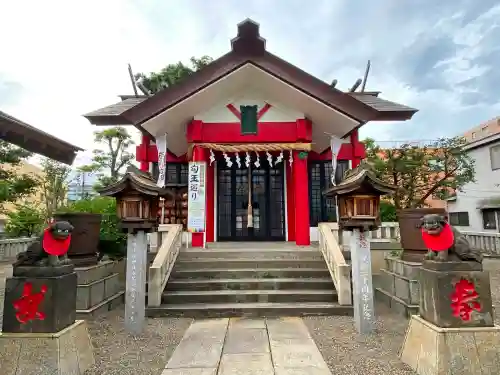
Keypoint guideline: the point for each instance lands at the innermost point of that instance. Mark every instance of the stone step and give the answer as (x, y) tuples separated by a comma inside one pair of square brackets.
[(252, 283), (268, 254), (256, 245), (248, 263), (238, 273), (238, 296), (262, 309)]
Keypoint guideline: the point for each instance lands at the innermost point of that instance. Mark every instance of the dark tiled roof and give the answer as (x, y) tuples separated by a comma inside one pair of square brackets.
[(114, 111), (355, 178), (380, 104), (21, 134), (138, 180)]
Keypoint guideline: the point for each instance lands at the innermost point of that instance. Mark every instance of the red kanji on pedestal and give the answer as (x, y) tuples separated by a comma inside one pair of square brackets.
[(27, 305), (463, 300)]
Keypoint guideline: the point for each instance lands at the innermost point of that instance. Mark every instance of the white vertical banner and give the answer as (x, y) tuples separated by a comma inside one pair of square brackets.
[(197, 196), (335, 144), (161, 145)]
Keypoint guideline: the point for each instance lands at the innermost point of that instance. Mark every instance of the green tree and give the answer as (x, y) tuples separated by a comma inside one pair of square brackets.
[(171, 74), (13, 184), (26, 220), (387, 211), (109, 164), (54, 185), (435, 170)]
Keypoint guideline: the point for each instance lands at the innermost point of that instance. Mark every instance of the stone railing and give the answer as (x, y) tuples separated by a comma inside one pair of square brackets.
[(487, 242), (10, 247), (339, 270), (163, 263), (387, 232)]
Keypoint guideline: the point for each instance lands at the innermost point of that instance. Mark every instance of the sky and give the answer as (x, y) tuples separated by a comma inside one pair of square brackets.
[(61, 59)]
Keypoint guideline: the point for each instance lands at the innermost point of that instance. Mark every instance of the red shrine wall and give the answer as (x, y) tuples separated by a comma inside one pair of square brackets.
[(297, 184)]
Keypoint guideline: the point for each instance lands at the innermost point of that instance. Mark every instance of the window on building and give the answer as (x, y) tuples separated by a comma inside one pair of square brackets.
[(460, 219), (495, 157), (322, 208), (473, 135), (489, 219), (177, 173)]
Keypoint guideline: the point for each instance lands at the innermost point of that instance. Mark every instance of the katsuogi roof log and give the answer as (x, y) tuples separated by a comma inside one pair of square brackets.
[(360, 179), (136, 180)]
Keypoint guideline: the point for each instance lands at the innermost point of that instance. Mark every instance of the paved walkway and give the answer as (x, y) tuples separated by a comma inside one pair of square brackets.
[(247, 346)]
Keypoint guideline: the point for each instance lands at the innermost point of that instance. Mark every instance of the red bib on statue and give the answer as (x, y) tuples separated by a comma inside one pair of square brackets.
[(55, 247), (440, 242)]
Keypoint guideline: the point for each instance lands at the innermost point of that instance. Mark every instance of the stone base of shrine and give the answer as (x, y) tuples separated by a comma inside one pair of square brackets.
[(66, 352), (431, 350)]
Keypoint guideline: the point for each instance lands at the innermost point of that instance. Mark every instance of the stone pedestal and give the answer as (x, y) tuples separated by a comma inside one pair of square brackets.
[(57, 303), (398, 286), (68, 351), (432, 350), (438, 282), (454, 333), (98, 290)]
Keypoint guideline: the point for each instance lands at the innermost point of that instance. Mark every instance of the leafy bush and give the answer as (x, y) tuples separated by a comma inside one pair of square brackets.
[(112, 240), (387, 212), (26, 220)]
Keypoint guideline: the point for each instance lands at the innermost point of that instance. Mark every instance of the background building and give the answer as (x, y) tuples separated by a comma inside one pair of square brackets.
[(80, 185), (477, 207)]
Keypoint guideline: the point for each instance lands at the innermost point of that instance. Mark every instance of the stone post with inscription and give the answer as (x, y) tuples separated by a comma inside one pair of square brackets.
[(454, 332), (358, 197), (135, 289), (362, 281), (137, 200)]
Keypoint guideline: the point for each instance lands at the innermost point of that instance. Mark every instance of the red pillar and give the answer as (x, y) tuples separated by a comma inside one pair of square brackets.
[(210, 194), (290, 203), (358, 149), (200, 154), (142, 153), (301, 188)]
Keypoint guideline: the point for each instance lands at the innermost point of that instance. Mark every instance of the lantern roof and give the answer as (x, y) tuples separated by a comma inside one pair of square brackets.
[(357, 178), (135, 179)]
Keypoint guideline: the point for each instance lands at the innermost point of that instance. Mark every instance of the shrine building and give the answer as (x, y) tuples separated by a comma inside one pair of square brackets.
[(265, 129)]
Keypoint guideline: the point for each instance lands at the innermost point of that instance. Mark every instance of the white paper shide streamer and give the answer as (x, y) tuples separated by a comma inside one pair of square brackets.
[(279, 159), (247, 159), (290, 158), (257, 160), (212, 156), (161, 144), (269, 158), (238, 160), (229, 163), (335, 144)]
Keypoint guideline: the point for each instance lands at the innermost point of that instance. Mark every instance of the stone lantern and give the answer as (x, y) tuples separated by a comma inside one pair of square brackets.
[(358, 197), (137, 200), (137, 203)]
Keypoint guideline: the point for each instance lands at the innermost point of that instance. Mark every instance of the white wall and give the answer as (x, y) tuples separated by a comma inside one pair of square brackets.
[(277, 112), (473, 193)]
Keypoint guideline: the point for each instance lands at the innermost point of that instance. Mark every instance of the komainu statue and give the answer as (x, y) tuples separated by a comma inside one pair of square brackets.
[(445, 243), (50, 250)]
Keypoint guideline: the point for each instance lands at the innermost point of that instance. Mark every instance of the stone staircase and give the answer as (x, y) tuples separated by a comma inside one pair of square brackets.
[(249, 279)]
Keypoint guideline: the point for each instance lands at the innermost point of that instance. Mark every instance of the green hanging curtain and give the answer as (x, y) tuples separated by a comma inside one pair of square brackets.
[(248, 119)]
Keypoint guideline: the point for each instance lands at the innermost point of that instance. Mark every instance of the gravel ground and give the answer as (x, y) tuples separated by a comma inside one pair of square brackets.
[(116, 352), (348, 353), (344, 350)]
